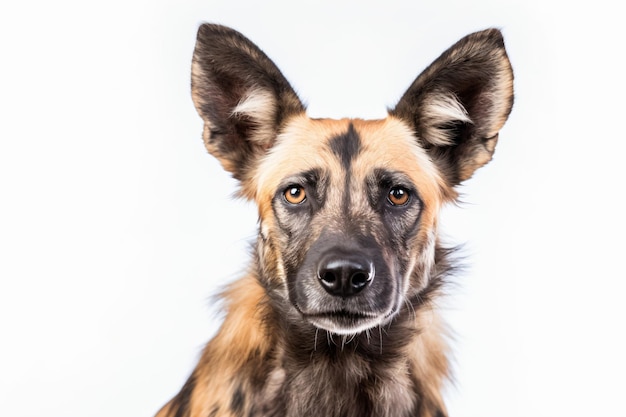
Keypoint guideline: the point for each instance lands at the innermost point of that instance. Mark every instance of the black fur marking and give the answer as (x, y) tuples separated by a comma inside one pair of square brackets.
[(259, 367), (180, 403), (237, 402), (346, 146), (440, 413)]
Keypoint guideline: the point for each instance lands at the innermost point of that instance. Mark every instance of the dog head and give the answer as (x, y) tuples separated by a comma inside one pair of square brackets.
[(348, 208)]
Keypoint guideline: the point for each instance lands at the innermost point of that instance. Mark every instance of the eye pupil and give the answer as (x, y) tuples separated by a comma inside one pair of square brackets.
[(398, 196), (295, 194)]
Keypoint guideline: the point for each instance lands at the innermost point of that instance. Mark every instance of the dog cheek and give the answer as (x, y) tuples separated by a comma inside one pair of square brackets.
[(408, 258), (425, 261), (270, 262), (294, 255), (276, 257)]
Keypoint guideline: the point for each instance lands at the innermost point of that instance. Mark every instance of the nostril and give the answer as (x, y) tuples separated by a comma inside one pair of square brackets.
[(328, 277), (359, 280)]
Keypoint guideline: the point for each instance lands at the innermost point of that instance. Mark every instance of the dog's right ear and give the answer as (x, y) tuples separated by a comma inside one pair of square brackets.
[(241, 95)]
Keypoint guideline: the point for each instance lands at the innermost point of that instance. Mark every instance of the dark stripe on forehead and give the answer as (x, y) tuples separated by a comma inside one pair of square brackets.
[(346, 146)]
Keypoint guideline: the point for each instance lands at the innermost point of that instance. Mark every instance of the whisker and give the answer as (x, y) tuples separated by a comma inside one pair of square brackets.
[(410, 307), (329, 337)]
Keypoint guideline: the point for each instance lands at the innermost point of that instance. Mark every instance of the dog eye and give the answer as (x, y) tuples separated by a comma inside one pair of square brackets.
[(295, 194), (398, 196)]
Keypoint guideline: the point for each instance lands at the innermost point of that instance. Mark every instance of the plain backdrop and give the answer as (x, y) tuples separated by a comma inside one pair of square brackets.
[(117, 228)]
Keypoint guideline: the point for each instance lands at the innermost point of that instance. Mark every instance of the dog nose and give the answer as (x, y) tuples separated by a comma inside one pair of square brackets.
[(345, 275)]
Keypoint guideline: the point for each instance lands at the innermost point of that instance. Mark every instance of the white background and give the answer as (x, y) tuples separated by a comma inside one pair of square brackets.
[(116, 227)]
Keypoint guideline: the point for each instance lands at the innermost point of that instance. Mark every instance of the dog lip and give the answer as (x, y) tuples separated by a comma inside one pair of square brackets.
[(344, 322), (343, 313)]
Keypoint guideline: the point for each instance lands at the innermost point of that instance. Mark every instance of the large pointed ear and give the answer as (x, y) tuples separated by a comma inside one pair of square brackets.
[(241, 95), (460, 102)]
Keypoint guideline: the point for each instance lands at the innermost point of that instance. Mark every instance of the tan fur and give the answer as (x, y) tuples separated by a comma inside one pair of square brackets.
[(242, 335), (429, 357)]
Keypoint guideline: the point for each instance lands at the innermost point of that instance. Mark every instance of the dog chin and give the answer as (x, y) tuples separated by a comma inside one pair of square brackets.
[(346, 324)]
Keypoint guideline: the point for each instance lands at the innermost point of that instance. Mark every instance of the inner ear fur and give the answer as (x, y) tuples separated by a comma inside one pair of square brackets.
[(460, 102), (241, 96)]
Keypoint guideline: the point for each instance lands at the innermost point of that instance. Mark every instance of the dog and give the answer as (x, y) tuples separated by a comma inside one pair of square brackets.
[(336, 314)]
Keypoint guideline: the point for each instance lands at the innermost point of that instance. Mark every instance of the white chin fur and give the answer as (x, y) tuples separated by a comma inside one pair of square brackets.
[(332, 326)]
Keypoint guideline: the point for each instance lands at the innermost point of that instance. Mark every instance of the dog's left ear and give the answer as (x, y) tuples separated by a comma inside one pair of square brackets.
[(241, 95), (460, 102)]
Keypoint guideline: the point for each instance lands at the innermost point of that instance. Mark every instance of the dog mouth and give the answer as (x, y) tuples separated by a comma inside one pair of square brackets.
[(344, 322)]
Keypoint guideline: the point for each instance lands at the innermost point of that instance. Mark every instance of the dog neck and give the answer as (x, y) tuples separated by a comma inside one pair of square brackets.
[(394, 369), (279, 365)]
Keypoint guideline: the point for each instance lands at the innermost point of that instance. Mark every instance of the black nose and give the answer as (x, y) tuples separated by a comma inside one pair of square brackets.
[(345, 275)]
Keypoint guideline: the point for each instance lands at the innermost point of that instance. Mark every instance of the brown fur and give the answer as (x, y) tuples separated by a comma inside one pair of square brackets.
[(295, 341)]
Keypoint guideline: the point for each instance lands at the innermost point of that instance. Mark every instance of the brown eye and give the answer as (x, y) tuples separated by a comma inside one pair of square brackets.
[(295, 194), (398, 196)]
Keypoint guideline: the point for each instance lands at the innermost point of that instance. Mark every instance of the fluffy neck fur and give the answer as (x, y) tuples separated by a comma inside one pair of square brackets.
[(265, 361)]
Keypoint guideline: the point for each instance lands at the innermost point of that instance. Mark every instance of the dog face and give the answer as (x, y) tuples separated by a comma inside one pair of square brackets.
[(349, 217), (348, 208)]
